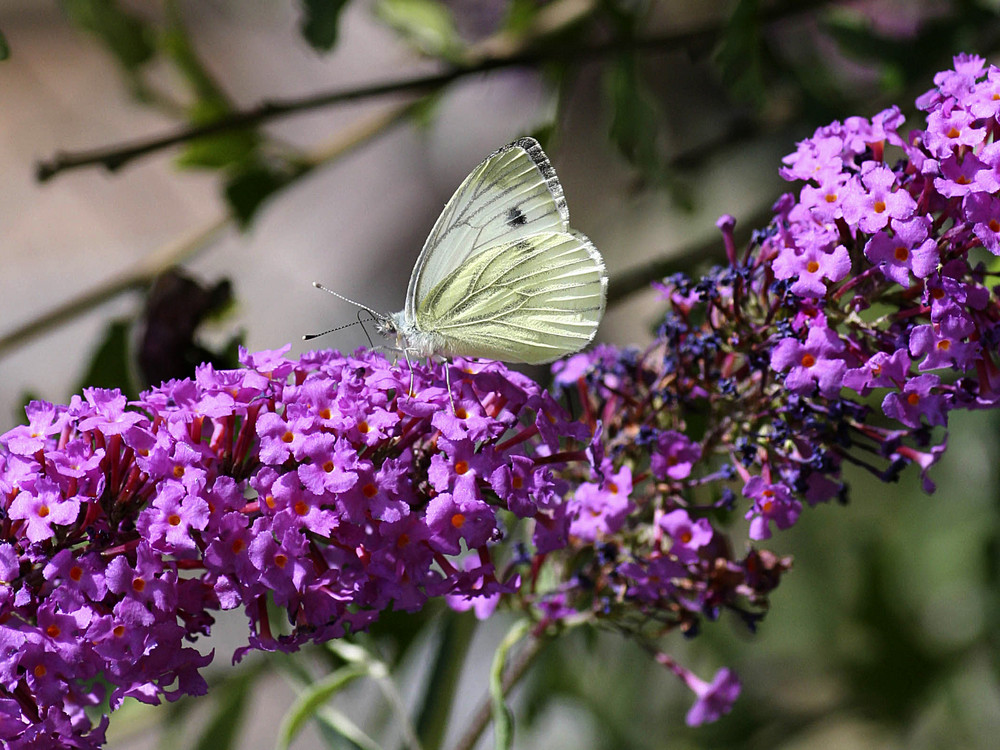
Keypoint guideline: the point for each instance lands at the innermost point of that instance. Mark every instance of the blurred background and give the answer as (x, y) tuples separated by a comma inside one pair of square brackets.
[(658, 116)]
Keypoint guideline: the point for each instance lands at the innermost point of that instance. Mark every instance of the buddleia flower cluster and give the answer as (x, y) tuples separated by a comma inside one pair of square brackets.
[(315, 494), (844, 333)]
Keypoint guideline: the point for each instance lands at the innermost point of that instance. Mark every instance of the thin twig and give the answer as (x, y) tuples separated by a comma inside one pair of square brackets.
[(136, 278), (115, 157), (148, 268)]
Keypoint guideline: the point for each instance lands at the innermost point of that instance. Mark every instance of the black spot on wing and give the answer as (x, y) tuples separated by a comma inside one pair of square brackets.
[(516, 217)]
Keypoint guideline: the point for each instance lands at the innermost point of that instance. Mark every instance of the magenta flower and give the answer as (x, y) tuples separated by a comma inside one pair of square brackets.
[(675, 455), (41, 507), (687, 536), (908, 249), (813, 364), (916, 399), (875, 198), (809, 267), (599, 509), (715, 698), (984, 213), (772, 503)]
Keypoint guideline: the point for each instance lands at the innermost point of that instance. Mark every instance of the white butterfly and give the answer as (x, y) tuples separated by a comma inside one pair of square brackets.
[(502, 276)]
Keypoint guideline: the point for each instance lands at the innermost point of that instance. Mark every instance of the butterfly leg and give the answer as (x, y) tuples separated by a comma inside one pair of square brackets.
[(409, 364), (447, 381)]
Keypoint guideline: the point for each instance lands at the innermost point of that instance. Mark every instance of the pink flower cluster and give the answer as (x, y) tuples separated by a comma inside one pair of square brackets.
[(319, 484)]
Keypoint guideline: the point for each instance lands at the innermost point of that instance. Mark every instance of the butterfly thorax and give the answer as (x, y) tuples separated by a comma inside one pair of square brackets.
[(411, 339)]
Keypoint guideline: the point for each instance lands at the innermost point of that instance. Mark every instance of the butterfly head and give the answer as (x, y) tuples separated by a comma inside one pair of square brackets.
[(388, 325)]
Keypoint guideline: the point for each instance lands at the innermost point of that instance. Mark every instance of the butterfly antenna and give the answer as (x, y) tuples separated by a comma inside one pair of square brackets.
[(371, 344), (311, 336), (375, 314)]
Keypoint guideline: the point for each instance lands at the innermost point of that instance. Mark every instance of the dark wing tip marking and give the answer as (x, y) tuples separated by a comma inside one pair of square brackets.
[(534, 150)]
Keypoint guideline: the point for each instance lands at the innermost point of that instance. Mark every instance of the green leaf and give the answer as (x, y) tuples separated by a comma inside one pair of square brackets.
[(4, 47), (739, 55), (503, 717), (210, 103), (635, 121), (311, 700), (223, 729), (247, 190), (320, 21), (110, 367), (176, 44), (124, 35), (426, 24), (520, 15), (446, 662), (216, 151)]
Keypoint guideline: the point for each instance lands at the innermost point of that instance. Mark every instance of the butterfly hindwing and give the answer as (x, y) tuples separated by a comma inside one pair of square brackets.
[(514, 193), (531, 299)]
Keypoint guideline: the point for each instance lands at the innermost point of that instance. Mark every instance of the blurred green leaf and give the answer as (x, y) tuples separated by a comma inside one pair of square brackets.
[(313, 698), (892, 676), (320, 21), (634, 121), (249, 187), (453, 642), (210, 103), (503, 717), (216, 151), (739, 54), (124, 35), (231, 701), (176, 44), (4, 47), (426, 24), (109, 366), (520, 14)]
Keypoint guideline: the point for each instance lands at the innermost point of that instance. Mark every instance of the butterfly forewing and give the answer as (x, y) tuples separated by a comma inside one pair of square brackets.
[(513, 194), (532, 299)]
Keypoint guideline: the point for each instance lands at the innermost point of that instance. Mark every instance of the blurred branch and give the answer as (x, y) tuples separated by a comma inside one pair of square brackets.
[(137, 278), (116, 156), (497, 52), (146, 270)]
